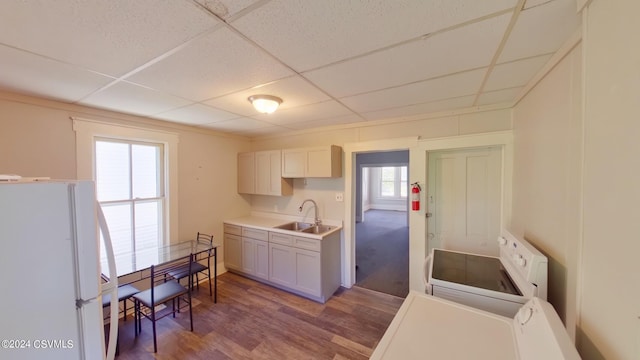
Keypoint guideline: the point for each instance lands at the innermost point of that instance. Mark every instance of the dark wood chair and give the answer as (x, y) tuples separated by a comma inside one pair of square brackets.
[(197, 267), (162, 291)]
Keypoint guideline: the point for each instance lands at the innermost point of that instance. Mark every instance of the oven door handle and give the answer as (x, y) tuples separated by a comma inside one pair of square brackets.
[(425, 279)]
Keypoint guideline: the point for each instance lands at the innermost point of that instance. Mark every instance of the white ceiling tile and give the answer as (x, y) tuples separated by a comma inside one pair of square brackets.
[(449, 52), (212, 65), (35, 75), (451, 86), (533, 3), (238, 125), (196, 114), (425, 108), (294, 91), (340, 120), (133, 99), (541, 30), (499, 96), (267, 130), (226, 8), (107, 36), (318, 111), (327, 31), (516, 73)]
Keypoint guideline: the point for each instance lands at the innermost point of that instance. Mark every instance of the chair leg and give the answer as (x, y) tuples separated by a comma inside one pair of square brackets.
[(215, 274), (153, 322), (136, 307), (209, 276), (125, 310), (190, 312)]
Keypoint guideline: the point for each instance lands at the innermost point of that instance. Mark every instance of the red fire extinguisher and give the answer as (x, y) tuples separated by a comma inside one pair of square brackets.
[(415, 196)]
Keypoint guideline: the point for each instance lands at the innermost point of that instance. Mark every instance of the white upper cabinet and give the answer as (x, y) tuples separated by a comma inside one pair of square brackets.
[(260, 173), (315, 162), (246, 173)]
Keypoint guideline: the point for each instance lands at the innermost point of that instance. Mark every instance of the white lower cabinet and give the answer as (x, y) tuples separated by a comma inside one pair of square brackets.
[(281, 264), (307, 270), (255, 257), (306, 266), (232, 251)]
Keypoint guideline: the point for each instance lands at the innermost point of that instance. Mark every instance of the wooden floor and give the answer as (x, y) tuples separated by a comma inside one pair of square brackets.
[(256, 321)]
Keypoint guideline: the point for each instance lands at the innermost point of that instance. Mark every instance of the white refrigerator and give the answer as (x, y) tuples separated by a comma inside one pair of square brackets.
[(51, 307)]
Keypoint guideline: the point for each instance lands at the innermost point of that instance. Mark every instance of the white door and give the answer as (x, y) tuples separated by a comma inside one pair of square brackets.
[(463, 199)]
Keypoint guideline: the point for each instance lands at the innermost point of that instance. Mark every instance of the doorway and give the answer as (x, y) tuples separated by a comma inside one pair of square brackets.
[(381, 222)]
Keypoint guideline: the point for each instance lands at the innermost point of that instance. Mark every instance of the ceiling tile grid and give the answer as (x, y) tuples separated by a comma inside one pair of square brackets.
[(333, 62)]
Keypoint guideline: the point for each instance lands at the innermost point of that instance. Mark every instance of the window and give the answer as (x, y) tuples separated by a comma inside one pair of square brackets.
[(130, 189), (141, 203), (393, 182)]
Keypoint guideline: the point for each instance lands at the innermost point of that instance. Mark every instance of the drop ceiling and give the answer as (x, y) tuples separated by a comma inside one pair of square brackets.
[(333, 62)]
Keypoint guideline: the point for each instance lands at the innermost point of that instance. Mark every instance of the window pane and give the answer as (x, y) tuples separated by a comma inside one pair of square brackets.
[(386, 188), (403, 181), (112, 171), (387, 174), (119, 221), (148, 225), (146, 171)]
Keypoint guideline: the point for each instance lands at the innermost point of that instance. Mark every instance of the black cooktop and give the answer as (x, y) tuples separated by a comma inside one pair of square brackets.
[(472, 270)]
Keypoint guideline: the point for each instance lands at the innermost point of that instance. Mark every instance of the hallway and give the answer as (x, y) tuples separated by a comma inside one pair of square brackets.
[(382, 252)]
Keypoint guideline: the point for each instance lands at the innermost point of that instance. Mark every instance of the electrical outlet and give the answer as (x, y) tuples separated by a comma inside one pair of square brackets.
[(339, 197)]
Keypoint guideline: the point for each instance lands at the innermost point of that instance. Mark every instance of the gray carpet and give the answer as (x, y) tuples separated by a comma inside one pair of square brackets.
[(382, 252)]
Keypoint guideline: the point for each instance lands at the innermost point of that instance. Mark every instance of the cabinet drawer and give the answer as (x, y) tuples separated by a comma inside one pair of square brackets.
[(232, 229), (255, 233), (278, 238), (306, 243)]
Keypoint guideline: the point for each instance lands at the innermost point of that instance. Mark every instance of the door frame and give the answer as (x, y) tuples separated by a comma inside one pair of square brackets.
[(418, 155)]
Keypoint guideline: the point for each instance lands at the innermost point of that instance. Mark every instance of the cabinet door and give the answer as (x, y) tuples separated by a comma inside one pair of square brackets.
[(318, 162), (324, 161), (294, 162), (248, 256), (233, 252), (269, 174), (262, 259), (263, 173), (246, 173), (307, 270), (282, 265)]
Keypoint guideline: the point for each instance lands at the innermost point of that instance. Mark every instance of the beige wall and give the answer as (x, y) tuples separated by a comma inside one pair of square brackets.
[(37, 139), (547, 129), (610, 301), (323, 190)]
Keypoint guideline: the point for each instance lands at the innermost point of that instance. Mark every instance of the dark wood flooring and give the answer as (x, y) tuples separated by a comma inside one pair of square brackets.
[(256, 321)]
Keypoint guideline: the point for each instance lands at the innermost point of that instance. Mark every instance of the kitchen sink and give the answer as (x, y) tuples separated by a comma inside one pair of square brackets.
[(318, 229), (295, 226)]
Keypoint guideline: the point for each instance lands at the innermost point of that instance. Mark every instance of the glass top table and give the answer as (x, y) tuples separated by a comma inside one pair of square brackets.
[(128, 263), (134, 266)]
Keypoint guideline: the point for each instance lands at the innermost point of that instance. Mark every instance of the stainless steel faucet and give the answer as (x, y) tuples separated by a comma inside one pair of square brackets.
[(315, 208)]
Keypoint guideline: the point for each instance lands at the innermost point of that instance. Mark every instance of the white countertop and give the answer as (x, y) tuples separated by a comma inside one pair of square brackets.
[(269, 221)]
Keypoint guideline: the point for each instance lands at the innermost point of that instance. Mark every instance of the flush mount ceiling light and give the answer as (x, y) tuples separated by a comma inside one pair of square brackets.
[(265, 104)]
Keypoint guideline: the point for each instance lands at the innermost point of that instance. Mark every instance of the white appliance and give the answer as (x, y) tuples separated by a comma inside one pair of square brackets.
[(497, 284), (51, 304), (428, 327)]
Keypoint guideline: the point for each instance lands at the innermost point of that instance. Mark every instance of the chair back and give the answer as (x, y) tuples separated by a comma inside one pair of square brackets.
[(204, 238), (161, 273)]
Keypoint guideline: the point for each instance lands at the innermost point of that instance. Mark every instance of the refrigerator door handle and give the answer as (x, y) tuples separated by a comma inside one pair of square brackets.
[(111, 286)]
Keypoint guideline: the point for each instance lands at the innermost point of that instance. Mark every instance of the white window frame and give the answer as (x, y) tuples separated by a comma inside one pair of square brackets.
[(87, 131)]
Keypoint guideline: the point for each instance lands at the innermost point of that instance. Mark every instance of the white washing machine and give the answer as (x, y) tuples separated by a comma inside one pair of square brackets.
[(500, 285), (428, 327)]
